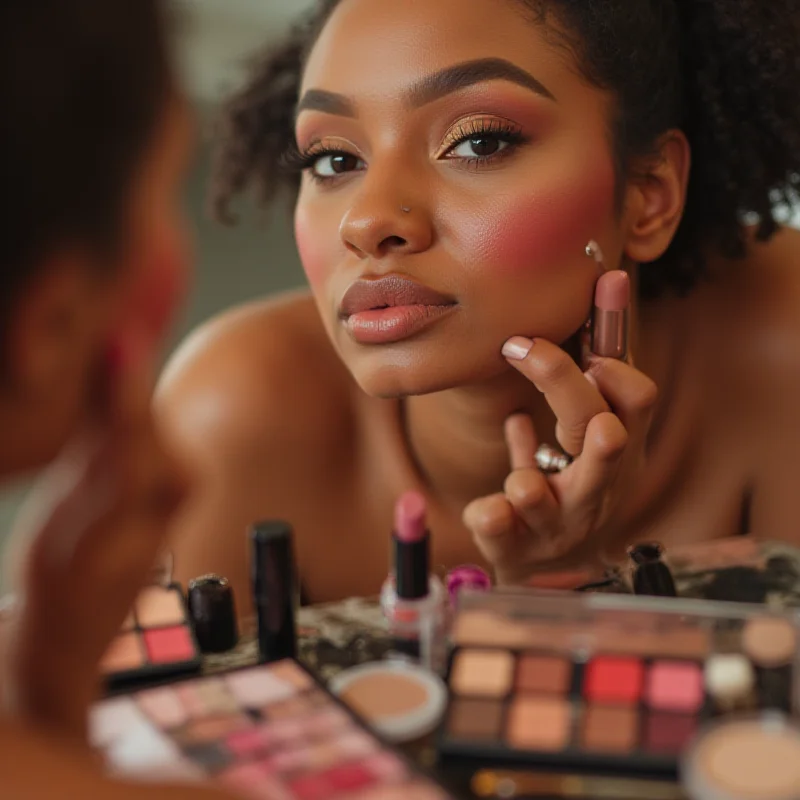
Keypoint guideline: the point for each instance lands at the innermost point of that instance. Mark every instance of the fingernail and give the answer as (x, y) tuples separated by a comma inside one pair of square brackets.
[(589, 377), (517, 348)]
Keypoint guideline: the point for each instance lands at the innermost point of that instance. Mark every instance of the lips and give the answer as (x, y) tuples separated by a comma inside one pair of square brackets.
[(390, 309), (389, 292)]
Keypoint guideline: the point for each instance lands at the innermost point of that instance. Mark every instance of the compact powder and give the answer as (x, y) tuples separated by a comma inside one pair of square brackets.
[(770, 641), (756, 759), (482, 673), (384, 694), (401, 701)]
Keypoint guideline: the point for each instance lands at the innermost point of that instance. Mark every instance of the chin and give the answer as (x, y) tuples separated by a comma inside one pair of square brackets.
[(381, 376)]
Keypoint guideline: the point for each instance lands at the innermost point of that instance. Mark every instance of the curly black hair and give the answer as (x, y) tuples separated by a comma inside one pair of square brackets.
[(726, 72), (83, 84)]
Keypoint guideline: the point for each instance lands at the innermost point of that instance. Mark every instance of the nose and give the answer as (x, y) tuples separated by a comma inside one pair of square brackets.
[(383, 220)]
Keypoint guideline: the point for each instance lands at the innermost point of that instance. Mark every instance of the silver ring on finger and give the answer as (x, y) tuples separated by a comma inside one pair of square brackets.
[(550, 460)]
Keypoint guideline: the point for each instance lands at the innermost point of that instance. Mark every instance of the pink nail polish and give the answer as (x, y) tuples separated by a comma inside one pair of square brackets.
[(517, 348)]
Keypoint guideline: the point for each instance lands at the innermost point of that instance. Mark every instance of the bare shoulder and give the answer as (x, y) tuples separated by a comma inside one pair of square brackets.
[(756, 309), (262, 373)]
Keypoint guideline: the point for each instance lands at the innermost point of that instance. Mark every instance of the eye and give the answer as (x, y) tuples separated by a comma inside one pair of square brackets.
[(329, 165), (480, 146)]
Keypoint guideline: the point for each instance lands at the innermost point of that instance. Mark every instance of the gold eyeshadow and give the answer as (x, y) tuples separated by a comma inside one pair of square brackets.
[(601, 682)]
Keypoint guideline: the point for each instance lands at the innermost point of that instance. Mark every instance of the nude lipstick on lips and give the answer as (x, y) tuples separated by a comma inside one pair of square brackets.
[(612, 298)]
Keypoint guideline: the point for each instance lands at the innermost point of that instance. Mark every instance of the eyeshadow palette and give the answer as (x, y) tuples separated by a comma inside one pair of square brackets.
[(266, 731), (157, 640), (606, 682)]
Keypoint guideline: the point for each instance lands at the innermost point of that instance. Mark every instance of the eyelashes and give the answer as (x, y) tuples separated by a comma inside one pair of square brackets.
[(475, 144)]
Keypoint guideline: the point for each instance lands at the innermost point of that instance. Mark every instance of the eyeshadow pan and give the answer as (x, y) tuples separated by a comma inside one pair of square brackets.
[(668, 733), (476, 720), (538, 723), (215, 697), (210, 755), (211, 728), (614, 680), (247, 742), (675, 686), (255, 687), (610, 729), (125, 653), (350, 777), (163, 706), (289, 672), (543, 674), (482, 673), (769, 641), (160, 607), (165, 645)]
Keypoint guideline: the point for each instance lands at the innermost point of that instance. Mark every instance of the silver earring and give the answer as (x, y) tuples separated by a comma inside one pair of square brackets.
[(594, 252)]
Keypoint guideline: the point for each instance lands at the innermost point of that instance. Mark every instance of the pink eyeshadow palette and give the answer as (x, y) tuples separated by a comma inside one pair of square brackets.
[(606, 682), (156, 640), (266, 731)]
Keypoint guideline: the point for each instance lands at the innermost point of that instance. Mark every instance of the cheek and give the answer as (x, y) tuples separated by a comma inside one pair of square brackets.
[(311, 247), (161, 283), (540, 232)]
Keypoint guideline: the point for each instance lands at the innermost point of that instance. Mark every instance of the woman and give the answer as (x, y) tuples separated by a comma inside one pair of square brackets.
[(92, 153), (452, 162)]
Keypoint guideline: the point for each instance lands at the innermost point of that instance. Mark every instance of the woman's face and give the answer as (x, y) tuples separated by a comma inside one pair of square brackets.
[(455, 146), (134, 299)]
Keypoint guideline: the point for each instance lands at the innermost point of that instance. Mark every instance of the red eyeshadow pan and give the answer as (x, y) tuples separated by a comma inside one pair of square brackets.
[(312, 787), (614, 680), (169, 644), (350, 777)]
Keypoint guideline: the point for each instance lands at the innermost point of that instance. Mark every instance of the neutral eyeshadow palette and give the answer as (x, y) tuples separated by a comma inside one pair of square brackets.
[(606, 682), (265, 732), (156, 641)]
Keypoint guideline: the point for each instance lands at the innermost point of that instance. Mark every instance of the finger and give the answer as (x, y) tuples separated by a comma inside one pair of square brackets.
[(493, 525), (631, 394), (593, 474), (533, 501), (573, 399), (521, 441)]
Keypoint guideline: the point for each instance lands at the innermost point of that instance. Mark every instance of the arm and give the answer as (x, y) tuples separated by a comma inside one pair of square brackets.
[(241, 402), (35, 765)]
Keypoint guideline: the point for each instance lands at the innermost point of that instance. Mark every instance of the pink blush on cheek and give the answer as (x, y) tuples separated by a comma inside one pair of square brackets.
[(312, 251), (544, 231)]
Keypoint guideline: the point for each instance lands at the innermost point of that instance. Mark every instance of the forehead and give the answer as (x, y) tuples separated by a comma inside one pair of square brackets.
[(370, 47)]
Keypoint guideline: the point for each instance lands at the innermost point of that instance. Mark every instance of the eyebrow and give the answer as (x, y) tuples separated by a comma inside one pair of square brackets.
[(434, 87)]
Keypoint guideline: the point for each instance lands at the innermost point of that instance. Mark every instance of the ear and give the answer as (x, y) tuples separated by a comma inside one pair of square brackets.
[(52, 323), (655, 198)]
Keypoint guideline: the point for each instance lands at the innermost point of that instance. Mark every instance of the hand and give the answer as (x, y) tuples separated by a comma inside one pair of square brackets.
[(93, 528), (603, 417)]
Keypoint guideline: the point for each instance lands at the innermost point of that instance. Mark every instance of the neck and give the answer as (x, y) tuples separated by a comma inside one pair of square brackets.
[(457, 438)]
